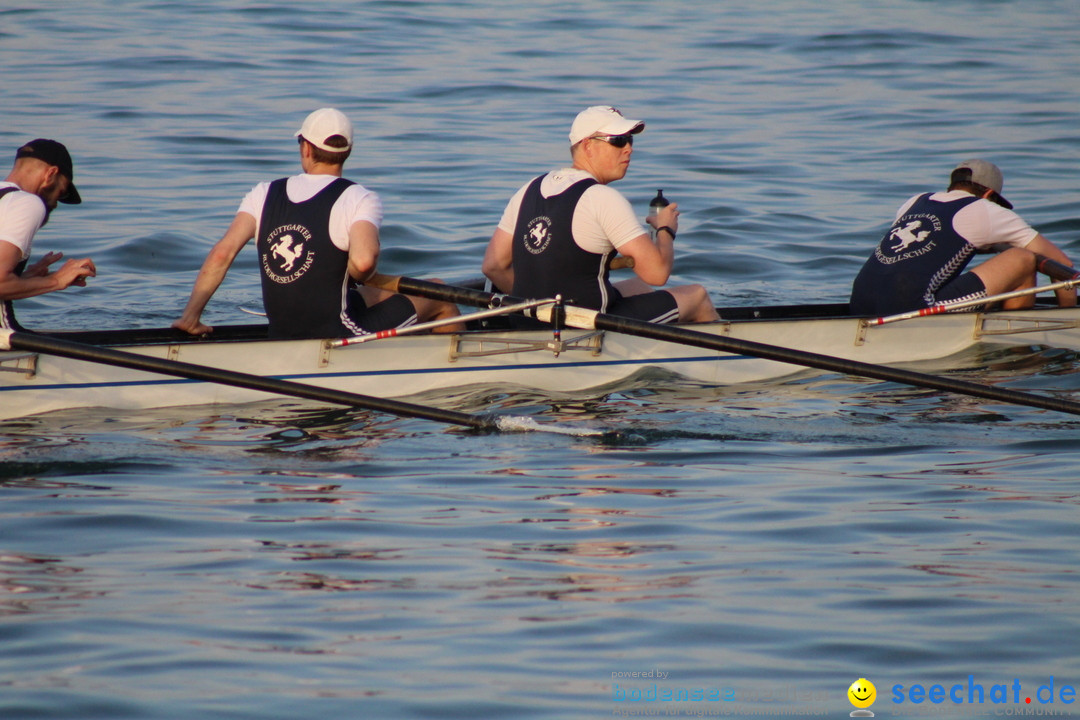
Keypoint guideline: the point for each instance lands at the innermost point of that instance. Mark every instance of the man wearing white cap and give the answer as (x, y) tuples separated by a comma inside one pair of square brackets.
[(920, 261), (560, 232), (317, 236)]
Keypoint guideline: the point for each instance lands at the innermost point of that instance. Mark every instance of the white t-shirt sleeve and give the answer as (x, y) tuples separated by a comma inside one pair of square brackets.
[(510, 214), (604, 219), (22, 214), (985, 224), (356, 204), (253, 202), (904, 208)]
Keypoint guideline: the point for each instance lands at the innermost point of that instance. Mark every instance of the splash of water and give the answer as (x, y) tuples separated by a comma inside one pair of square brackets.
[(521, 423)]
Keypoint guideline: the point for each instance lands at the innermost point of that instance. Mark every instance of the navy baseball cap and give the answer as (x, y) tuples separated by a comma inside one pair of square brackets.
[(53, 153)]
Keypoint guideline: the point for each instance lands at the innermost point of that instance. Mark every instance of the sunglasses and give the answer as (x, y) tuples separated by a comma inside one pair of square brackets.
[(619, 141)]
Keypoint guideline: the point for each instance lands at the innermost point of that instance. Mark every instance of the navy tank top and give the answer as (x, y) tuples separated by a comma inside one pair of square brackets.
[(304, 275), (547, 261), (919, 254)]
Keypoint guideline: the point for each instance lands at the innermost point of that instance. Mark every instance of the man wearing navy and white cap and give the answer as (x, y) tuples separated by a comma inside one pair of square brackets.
[(317, 236), (41, 177), (920, 262), (560, 232)]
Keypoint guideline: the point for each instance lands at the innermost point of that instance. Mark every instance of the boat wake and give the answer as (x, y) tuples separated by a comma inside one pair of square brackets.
[(640, 436), (522, 423)]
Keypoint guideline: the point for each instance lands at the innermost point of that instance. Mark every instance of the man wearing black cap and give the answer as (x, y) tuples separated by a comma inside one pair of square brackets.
[(41, 177), (920, 261)]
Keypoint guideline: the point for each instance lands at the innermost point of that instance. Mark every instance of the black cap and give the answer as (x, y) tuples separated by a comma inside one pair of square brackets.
[(53, 153)]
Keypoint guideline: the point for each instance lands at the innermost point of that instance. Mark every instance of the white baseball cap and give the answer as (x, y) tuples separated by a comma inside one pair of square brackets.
[(605, 120), (987, 174), (322, 125)]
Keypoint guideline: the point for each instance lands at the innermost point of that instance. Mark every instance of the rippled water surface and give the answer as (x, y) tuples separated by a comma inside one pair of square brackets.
[(769, 544)]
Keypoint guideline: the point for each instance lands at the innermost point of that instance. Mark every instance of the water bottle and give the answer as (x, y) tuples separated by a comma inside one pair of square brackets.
[(654, 207)]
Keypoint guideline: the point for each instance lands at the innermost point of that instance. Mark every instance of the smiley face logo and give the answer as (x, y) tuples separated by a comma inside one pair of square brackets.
[(862, 693)]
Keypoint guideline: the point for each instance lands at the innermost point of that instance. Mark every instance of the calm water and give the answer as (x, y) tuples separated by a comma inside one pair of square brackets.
[(769, 544)]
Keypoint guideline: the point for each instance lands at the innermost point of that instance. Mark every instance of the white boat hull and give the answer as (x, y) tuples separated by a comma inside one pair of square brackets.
[(398, 367)]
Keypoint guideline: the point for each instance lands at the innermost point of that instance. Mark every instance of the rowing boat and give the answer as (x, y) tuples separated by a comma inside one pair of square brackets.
[(574, 360)]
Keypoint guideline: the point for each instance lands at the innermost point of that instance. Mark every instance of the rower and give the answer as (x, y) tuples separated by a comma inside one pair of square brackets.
[(317, 238), (920, 261), (560, 232), (41, 178)]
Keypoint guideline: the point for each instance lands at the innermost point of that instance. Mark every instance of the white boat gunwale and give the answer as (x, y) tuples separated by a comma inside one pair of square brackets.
[(409, 365)]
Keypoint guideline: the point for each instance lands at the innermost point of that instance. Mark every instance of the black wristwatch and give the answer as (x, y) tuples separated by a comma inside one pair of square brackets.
[(670, 231)]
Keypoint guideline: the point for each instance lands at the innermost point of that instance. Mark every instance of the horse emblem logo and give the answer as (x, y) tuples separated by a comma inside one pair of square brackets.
[(908, 235), (538, 235), (285, 256), (287, 249)]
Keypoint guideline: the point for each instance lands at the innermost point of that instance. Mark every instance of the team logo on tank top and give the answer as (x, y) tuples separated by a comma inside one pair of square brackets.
[(909, 238), (286, 256), (538, 234)]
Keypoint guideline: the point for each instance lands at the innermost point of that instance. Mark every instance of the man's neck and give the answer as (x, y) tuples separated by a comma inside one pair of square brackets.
[(19, 179), (334, 170), (580, 167), (312, 167)]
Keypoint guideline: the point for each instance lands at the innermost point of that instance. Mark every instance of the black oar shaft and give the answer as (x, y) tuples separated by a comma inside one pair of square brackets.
[(439, 291), (108, 356), (708, 341), (685, 336)]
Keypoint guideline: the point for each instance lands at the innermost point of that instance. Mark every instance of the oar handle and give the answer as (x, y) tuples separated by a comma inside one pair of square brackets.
[(391, 282), (383, 282), (447, 293), (1055, 269)]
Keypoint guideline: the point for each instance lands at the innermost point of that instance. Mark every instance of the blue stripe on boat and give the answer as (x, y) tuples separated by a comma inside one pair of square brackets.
[(418, 371)]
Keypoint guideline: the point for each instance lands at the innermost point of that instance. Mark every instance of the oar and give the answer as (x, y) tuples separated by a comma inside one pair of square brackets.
[(1055, 270), (960, 305), (10, 340), (424, 327), (592, 320), (1068, 277)]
